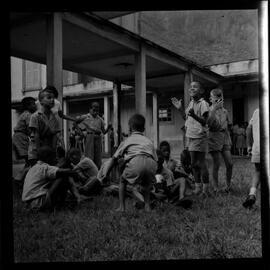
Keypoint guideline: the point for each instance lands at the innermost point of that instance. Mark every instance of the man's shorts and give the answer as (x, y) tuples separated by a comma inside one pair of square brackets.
[(219, 141), (40, 203), (140, 170), (197, 145)]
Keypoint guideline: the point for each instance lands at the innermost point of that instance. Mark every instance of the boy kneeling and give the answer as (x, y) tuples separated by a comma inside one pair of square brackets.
[(140, 162), (46, 185)]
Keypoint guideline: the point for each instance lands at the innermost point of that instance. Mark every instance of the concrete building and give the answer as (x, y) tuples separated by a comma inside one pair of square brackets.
[(238, 71)]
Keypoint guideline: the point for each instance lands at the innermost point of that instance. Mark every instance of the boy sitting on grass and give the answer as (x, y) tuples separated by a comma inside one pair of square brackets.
[(173, 188), (140, 162), (86, 178), (46, 185)]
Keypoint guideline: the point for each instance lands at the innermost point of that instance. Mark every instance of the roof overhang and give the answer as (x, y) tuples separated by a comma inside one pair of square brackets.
[(94, 46)]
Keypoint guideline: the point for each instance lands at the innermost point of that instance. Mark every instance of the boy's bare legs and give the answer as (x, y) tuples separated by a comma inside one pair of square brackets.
[(229, 167), (216, 165), (146, 196), (204, 172), (251, 199), (196, 172), (122, 190)]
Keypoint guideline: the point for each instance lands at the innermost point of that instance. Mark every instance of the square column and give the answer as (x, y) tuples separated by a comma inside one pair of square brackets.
[(116, 113), (106, 120), (155, 121), (140, 82), (188, 78)]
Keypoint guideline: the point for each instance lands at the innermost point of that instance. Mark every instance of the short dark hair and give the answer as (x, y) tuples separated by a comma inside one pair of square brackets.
[(137, 122), (46, 154), (26, 102), (164, 143), (73, 151), (95, 103), (60, 151), (52, 90)]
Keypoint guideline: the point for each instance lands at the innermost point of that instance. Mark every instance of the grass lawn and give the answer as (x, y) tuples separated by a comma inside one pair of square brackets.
[(215, 228)]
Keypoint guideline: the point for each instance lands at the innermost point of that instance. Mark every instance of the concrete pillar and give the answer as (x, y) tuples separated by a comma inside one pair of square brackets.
[(155, 121), (106, 120), (54, 51), (65, 126), (140, 82), (188, 78), (116, 113)]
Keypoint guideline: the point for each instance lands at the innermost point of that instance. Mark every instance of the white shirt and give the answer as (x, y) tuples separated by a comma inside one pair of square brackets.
[(37, 180), (255, 124)]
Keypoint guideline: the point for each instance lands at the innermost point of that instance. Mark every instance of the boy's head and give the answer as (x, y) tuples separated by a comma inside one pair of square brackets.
[(136, 123), (52, 90), (95, 108), (165, 149), (47, 155), (195, 90), (28, 104), (74, 155), (60, 152), (46, 98), (216, 95)]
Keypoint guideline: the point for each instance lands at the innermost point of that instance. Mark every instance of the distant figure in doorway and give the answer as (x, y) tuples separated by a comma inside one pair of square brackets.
[(235, 128), (253, 145), (95, 127), (20, 138), (241, 140), (195, 117)]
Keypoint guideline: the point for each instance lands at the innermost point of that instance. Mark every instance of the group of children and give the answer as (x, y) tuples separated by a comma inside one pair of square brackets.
[(147, 174)]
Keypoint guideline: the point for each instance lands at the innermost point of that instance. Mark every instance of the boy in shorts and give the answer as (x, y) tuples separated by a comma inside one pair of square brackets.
[(219, 140), (195, 117), (140, 162), (253, 143)]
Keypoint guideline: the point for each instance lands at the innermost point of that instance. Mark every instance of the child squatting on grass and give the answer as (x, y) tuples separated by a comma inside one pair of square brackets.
[(46, 185), (140, 162), (195, 118), (253, 143), (219, 140)]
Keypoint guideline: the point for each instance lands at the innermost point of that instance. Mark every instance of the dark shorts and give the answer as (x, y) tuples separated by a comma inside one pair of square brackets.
[(219, 141), (140, 170), (197, 145)]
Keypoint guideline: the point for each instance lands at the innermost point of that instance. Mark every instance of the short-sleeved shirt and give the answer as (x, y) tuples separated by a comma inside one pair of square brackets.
[(87, 169), (194, 129), (57, 106), (37, 180), (235, 129), (46, 129), (255, 124), (23, 123), (92, 122), (136, 144)]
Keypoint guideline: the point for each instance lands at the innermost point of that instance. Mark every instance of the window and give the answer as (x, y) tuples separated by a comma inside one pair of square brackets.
[(32, 76), (165, 114)]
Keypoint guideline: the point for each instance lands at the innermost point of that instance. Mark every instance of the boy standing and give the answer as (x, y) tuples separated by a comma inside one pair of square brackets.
[(140, 161), (94, 125), (253, 143), (196, 116), (20, 138), (43, 125)]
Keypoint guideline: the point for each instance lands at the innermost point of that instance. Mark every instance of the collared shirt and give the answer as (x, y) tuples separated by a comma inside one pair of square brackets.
[(46, 129), (255, 124), (92, 122), (23, 123), (57, 106), (37, 180), (136, 144), (86, 169), (222, 117), (194, 129)]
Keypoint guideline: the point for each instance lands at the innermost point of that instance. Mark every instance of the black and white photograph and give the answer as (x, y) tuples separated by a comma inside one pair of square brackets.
[(139, 135)]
